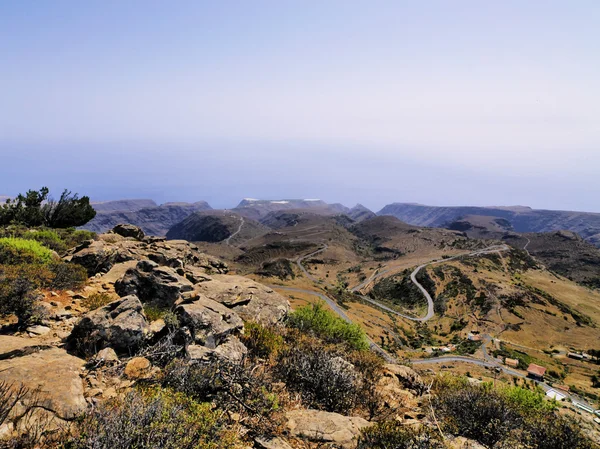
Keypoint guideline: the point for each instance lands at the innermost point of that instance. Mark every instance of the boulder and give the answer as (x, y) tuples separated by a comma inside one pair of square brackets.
[(325, 427), (95, 256), (138, 368), (249, 299), (54, 374), (153, 283), (232, 350), (120, 325), (128, 230), (407, 378), (209, 321), (17, 346)]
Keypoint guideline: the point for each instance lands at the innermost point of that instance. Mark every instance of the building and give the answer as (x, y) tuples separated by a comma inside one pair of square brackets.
[(513, 363), (574, 355), (474, 337), (564, 388), (536, 372)]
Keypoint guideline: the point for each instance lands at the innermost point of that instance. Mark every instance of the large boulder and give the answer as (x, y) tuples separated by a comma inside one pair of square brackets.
[(120, 325), (251, 300), (406, 377), (325, 427), (52, 375), (97, 256), (153, 283), (209, 321), (231, 350), (128, 230)]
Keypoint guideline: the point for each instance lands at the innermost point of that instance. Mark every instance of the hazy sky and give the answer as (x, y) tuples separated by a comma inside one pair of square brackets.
[(439, 102)]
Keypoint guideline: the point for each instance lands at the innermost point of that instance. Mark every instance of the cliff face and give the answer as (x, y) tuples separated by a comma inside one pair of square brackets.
[(522, 219), (156, 220)]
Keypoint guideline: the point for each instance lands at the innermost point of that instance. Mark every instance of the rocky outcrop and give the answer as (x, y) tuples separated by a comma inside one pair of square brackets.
[(231, 350), (249, 299), (152, 283), (128, 230), (325, 427), (209, 321), (53, 378), (120, 325), (99, 256), (407, 378)]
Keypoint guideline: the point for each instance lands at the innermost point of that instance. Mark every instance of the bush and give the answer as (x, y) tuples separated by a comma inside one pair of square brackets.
[(17, 290), (323, 378), (151, 419), (97, 300), (324, 324), (15, 251), (261, 341), (67, 276), (235, 387), (504, 416), (395, 435)]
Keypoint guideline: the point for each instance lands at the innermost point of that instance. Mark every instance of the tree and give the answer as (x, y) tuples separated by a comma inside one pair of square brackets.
[(68, 211), (35, 208)]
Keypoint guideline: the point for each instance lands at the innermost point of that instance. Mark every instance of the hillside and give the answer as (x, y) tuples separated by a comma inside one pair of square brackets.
[(216, 226), (360, 213), (155, 220), (522, 219)]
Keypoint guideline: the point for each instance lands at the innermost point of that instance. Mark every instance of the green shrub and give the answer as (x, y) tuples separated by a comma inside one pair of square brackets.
[(324, 324), (15, 251), (261, 341), (67, 276), (46, 237), (151, 419), (97, 300), (17, 290), (154, 312)]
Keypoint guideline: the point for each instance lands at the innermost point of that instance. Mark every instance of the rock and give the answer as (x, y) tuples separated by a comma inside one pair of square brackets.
[(99, 256), (138, 368), (11, 347), (232, 350), (106, 356), (209, 321), (325, 427), (152, 283), (272, 443), (55, 374), (407, 377), (251, 300), (127, 230), (120, 324), (38, 330)]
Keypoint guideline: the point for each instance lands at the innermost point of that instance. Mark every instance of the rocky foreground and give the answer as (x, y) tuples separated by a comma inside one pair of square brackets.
[(78, 358)]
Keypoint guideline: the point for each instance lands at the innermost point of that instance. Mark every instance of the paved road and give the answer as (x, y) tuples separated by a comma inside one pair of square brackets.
[(413, 278), (228, 239)]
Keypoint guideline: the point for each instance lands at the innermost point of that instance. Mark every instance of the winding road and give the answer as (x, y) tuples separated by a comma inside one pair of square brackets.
[(228, 239), (487, 362)]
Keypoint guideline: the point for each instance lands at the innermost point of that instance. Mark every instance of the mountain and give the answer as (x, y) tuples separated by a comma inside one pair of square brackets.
[(154, 220), (216, 226), (522, 219), (257, 209), (482, 226), (122, 205), (359, 213)]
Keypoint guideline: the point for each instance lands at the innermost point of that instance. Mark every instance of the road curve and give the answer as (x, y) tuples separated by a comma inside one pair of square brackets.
[(228, 239), (413, 278)]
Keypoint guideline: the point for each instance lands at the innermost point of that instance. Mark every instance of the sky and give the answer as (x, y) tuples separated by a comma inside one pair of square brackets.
[(372, 102)]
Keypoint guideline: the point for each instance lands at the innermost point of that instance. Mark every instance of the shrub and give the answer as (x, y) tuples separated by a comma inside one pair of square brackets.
[(323, 378), (154, 312), (151, 419), (261, 341), (324, 324), (395, 435), (15, 251), (235, 387), (46, 237), (17, 290), (97, 300), (67, 276)]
